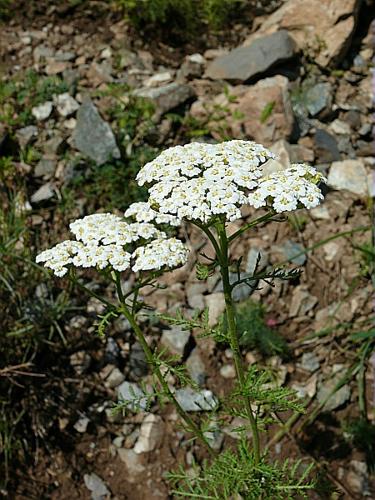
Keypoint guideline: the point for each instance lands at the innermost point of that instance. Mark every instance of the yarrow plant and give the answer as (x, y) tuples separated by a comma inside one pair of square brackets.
[(206, 185), (102, 241)]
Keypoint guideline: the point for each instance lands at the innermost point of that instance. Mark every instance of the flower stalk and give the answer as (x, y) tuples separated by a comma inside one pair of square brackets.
[(130, 316), (233, 335)]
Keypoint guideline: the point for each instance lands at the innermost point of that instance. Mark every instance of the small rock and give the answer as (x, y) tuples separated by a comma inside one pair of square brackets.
[(176, 340), (70, 124), (281, 149), (45, 168), (326, 148), (340, 128), (112, 350), (196, 368), (291, 251), (100, 73), (93, 136), (365, 129), (97, 486), (350, 175), (131, 439), (71, 77), (118, 441), (261, 112), (244, 63), (192, 67), (302, 302), (194, 295), (25, 135), (56, 67), (357, 478), (158, 79), (214, 435), (106, 53), (133, 462), (319, 98), (132, 393), (216, 306), (151, 434), (227, 371), (331, 249), (307, 389), (64, 56), (82, 424), (54, 146), (137, 361), (80, 361), (42, 111), (42, 53), (310, 362), (166, 97), (44, 193), (191, 400), (320, 212), (114, 379), (66, 104), (339, 398)]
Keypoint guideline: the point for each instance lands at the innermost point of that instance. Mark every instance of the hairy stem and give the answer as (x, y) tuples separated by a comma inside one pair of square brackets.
[(233, 336), (127, 312)]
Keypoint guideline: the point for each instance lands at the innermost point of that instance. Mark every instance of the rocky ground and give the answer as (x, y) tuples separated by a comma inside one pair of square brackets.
[(84, 101)]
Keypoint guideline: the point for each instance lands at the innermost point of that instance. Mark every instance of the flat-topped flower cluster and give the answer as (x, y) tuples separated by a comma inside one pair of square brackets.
[(103, 240), (196, 182), (199, 181), (287, 189)]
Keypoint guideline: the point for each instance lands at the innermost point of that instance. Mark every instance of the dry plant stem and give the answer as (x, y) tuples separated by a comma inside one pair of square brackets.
[(126, 311), (232, 330)]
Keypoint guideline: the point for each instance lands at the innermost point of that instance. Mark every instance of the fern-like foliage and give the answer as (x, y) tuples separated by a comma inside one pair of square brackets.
[(235, 474), (262, 390), (171, 365), (105, 320), (199, 321)]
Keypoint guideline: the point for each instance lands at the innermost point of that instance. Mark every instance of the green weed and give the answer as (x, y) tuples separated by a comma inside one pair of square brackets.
[(267, 111), (4, 9), (361, 434), (184, 15), (255, 332), (20, 95), (234, 474)]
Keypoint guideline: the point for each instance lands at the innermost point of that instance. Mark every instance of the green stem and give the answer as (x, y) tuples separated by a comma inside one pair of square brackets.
[(268, 216), (233, 337), (192, 426)]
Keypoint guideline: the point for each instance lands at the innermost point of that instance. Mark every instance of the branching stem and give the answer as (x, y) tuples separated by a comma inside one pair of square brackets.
[(233, 336), (127, 312), (264, 218)]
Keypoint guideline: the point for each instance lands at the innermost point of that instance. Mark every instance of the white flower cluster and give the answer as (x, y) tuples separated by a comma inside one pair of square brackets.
[(101, 240), (160, 253), (287, 189), (110, 228), (142, 212), (198, 180)]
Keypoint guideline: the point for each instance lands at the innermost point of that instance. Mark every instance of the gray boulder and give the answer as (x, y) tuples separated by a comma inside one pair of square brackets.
[(92, 136), (166, 97), (244, 63)]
